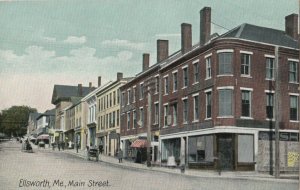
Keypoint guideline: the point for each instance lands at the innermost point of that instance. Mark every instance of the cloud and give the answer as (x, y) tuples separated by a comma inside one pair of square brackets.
[(124, 44), (42, 68), (75, 40), (49, 39), (167, 35)]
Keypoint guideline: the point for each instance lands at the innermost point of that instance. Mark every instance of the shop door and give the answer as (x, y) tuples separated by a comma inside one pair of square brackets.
[(225, 147)]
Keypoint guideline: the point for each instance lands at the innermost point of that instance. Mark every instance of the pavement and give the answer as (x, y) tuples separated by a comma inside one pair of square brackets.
[(245, 175)]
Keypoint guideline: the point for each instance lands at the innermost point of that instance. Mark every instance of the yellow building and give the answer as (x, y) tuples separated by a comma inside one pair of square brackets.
[(108, 116)]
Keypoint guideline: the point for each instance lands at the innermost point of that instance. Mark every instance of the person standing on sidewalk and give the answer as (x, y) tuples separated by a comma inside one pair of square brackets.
[(120, 155)]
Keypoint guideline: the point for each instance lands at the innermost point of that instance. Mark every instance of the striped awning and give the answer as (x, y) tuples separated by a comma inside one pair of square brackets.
[(139, 143)]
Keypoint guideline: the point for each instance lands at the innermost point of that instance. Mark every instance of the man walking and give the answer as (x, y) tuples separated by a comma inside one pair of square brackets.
[(120, 155)]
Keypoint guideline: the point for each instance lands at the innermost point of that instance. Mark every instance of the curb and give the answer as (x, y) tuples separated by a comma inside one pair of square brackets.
[(152, 169)]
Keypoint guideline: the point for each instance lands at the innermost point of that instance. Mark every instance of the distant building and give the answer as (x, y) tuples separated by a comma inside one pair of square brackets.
[(62, 97)]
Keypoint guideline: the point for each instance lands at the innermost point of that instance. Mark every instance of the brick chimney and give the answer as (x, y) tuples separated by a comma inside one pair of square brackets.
[(90, 86), (146, 58), (291, 25), (119, 76), (205, 25), (79, 90), (99, 81), (162, 50), (186, 37)]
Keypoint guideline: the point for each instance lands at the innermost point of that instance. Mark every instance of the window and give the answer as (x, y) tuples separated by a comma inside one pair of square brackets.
[(174, 106), (225, 102), (196, 72), (185, 77), (104, 121), (118, 117), (225, 63), (208, 105), (185, 110), (294, 108), (156, 84), (128, 97), (196, 108), (208, 67), (133, 94), (114, 119), (141, 90), (245, 64), (269, 68), (175, 82), (107, 100), (142, 117), (110, 99), (128, 121), (156, 113), (270, 105), (104, 102), (118, 96), (107, 126), (134, 119), (166, 90), (293, 71), (123, 99), (200, 149), (166, 113), (114, 97), (246, 103)]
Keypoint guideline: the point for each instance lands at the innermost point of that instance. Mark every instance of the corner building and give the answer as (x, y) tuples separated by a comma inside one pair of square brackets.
[(218, 98)]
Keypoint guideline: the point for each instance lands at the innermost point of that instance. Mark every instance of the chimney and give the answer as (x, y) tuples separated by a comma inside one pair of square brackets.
[(99, 81), (205, 25), (119, 76), (90, 84), (146, 58), (79, 90), (186, 37), (291, 26), (162, 50)]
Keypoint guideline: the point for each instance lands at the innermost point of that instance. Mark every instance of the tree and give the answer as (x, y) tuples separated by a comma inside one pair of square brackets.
[(14, 120)]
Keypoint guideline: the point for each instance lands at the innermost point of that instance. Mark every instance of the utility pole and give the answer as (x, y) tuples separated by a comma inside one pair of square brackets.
[(277, 113), (149, 111)]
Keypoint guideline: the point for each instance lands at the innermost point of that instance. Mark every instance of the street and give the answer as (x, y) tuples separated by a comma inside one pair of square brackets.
[(47, 169)]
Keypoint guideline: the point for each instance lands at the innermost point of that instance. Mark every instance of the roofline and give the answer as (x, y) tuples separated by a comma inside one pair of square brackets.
[(263, 43), (89, 95)]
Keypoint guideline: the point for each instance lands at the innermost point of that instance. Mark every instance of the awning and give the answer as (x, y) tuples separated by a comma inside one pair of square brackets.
[(139, 143), (42, 137)]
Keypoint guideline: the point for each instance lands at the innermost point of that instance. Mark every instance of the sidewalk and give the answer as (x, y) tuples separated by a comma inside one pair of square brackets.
[(245, 175)]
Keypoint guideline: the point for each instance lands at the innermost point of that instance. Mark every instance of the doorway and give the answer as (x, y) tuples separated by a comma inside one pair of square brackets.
[(225, 151)]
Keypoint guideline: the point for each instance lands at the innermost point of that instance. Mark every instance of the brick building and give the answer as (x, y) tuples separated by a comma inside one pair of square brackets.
[(216, 98)]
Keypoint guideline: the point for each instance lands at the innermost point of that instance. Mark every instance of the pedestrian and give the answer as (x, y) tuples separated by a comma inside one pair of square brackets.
[(120, 155), (77, 147), (63, 145), (58, 146)]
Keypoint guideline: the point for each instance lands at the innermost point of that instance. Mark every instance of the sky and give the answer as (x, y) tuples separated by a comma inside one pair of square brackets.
[(43, 43)]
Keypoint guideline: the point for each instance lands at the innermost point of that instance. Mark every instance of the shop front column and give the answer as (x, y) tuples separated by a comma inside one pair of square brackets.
[(182, 150)]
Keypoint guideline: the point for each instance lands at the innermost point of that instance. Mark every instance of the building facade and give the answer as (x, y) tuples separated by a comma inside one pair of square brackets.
[(219, 99), (108, 116)]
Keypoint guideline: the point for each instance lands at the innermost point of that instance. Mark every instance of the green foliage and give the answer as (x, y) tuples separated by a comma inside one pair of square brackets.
[(13, 121)]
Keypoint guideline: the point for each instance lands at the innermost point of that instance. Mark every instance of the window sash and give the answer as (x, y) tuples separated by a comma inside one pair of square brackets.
[(196, 107), (225, 63), (196, 72), (185, 77), (245, 64), (185, 110), (208, 67), (246, 103), (166, 85), (270, 105), (225, 102), (175, 81), (293, 71), (175, 114), (270, 68), (208, 105), (294, 108)]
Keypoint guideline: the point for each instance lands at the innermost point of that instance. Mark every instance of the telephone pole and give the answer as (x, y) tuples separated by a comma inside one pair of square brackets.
[(277, 114)]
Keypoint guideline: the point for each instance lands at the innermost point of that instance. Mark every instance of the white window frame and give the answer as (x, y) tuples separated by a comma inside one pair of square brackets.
[(296, 71), (208, 68), (173, 76), (166, 85), (196, 117), (196, 62), (183, 77), (250, 90), (249, 66)]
